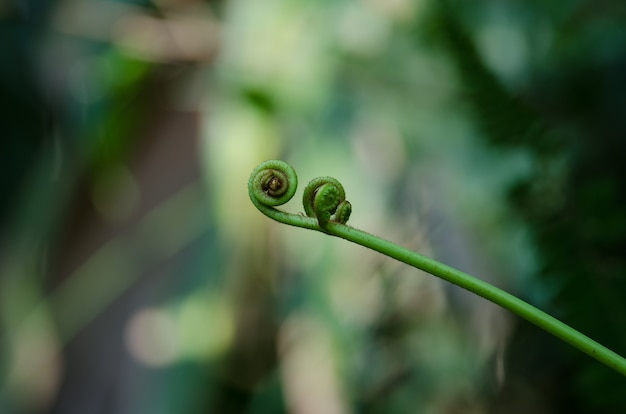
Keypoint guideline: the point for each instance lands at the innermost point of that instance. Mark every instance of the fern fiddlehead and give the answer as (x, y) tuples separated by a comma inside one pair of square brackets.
[(273, 183), (325, 199)]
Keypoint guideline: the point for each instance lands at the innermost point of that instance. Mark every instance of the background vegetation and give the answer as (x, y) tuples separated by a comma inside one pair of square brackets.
[(136, 276)]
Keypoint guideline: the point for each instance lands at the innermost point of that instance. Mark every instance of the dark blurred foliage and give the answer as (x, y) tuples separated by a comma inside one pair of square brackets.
[(86, 125), (26, 117), (570, 115)]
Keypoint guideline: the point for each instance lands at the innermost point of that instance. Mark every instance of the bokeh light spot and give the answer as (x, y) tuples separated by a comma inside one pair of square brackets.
[(151, 338)]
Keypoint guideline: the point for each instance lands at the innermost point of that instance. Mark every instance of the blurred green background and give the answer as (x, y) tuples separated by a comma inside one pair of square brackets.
[(137, 277)]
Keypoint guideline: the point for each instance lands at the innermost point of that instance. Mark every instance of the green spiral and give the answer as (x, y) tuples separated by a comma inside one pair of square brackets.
[(273, 183), (325, 199)]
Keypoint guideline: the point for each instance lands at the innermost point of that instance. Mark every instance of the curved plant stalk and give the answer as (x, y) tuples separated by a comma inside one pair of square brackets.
[(274, 182)]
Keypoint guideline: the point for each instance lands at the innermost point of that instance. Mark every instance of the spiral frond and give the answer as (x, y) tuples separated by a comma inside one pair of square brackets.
[(325, 199), (272, 183)]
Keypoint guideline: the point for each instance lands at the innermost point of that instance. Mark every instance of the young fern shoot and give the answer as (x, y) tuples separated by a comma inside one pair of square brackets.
[(273, 183)]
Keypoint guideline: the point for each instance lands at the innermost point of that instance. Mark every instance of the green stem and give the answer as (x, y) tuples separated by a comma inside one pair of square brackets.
[(319, 199)]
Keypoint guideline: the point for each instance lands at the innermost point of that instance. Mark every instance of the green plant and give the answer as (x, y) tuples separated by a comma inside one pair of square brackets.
[(273, 183)]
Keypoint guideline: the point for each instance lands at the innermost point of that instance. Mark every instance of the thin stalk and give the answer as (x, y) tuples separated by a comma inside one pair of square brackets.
[(481, 288)]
